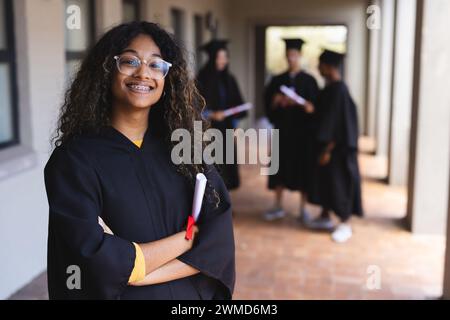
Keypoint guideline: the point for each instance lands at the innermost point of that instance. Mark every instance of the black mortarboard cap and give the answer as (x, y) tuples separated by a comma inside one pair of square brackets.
[(296, 43), (331, 57)]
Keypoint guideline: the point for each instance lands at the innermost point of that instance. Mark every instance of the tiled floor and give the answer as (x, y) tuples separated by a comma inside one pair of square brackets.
[(281, 260)]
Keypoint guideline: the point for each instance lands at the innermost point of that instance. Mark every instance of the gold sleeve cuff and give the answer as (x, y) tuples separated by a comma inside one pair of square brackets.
[(138, 272)]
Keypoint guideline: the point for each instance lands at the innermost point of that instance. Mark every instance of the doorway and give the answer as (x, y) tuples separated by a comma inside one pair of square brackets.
[(270, 52)]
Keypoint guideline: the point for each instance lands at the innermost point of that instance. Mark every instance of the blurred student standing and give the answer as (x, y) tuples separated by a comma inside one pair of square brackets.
[(337, 183), (221, 92), (295, 123)]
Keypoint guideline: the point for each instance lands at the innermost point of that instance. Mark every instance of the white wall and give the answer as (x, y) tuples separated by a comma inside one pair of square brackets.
[(23, 211)]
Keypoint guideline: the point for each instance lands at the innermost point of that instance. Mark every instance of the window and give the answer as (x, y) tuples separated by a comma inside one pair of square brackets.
[(177, 22), (9, 134), (131, 9), (198, 40), (79, 38)]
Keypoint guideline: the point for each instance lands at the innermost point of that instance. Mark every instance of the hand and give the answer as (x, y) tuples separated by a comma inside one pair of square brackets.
[(281, 101), (291, 102), (277, 99), (325, 158), (309, 107), (217, 116), (190, 243), (194, 232)]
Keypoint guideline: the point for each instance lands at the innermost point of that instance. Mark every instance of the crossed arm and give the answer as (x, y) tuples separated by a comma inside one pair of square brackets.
[(172, 270), (161, 263)]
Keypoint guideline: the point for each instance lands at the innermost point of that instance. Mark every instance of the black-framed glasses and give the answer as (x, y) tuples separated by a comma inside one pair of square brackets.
[(128, 65)]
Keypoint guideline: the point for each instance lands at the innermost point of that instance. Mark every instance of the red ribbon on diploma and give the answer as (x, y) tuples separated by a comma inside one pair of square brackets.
[(190, 228)]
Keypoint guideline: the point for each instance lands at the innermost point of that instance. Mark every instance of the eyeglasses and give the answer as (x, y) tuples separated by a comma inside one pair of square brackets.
[(129, 65)]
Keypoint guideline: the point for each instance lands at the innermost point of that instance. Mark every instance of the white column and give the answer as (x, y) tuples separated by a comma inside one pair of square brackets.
[(372, 73), (430, 127), (385, 76), (402, 92)]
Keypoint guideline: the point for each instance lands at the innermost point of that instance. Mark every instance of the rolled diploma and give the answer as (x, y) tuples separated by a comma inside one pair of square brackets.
[(106, 229), (237, 109), (200, 186), (293, 95)]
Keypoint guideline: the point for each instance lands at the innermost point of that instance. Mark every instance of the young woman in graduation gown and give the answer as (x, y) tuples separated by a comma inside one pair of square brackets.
[(337, 183), (113, 161), (221, 92)]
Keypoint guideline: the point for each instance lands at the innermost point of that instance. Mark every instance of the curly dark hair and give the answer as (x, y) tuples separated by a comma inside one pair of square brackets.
[(88, 101)]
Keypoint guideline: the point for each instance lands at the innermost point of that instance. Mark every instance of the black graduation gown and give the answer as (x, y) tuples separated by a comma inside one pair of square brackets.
[(296, 131), (338, 184), (142, 198), (221, 92)]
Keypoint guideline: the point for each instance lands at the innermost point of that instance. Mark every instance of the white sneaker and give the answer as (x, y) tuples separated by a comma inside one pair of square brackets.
[(274, 214), (342, 233)]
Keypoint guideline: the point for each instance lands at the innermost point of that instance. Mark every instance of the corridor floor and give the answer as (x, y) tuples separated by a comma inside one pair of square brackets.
[(282, 260)]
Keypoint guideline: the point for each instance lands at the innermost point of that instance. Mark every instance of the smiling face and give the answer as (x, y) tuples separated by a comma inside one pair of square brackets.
[(139, 89)]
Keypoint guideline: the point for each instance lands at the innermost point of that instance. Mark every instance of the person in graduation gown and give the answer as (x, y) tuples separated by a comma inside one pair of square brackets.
[(296, 126), (112, 163), (221, 92), (338, 182)]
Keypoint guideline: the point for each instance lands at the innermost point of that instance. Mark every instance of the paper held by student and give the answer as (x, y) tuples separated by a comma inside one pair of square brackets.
[(231, 111), (200, 186), (293, 95), (240, 108)]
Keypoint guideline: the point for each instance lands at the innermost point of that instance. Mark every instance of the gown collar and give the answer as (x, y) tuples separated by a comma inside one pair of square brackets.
[(115, 135)]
